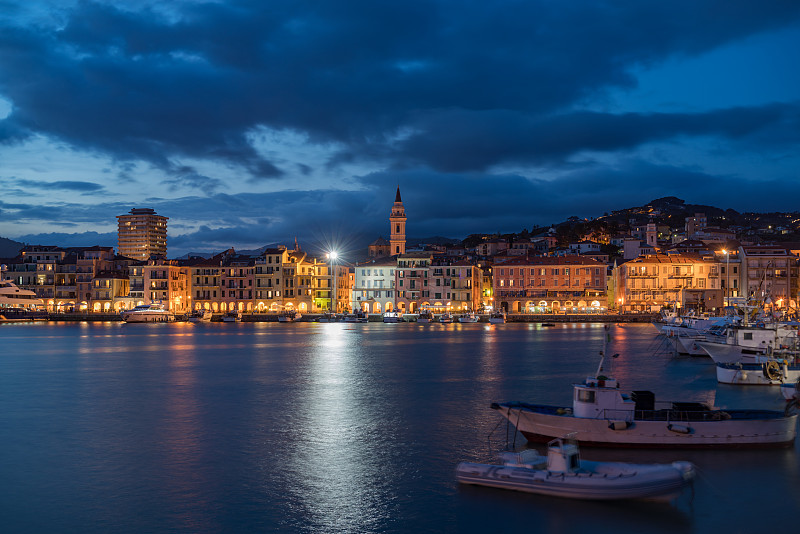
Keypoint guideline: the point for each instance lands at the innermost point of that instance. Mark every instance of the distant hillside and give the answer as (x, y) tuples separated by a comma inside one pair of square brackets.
[(9, 248)]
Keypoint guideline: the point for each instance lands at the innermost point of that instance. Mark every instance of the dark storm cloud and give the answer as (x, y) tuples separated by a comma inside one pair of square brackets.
[(63, 185), (464, 141), (437, 204), (473, 80)]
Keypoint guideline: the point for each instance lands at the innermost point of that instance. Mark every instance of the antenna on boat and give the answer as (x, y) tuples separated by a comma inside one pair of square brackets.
[(603, 352)]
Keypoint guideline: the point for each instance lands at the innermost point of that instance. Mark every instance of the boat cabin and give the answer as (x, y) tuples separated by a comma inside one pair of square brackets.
[(599, 398), (563, 457)]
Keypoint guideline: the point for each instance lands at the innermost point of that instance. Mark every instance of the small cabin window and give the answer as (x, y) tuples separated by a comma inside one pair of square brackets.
[(748, 335), (586, 395), (574, 460)]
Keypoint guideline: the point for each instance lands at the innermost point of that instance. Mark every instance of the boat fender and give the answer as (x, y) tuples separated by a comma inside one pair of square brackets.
[(772, 370), (680, 429), (619, 425)]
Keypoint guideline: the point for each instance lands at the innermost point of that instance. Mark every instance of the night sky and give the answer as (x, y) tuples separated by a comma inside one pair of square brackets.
[(252, 122)]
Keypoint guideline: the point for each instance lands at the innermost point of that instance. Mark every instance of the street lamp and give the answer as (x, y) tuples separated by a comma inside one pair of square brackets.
[(333, 255), (727, 276)]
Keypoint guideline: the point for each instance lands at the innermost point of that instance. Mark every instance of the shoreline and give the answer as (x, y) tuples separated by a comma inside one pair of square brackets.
[(264, 317)]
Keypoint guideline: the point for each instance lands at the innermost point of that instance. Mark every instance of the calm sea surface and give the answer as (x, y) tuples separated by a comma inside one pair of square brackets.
[(267, 427)]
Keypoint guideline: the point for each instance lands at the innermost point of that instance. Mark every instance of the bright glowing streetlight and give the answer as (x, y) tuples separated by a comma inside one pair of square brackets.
[(332, 255), (727, 276)]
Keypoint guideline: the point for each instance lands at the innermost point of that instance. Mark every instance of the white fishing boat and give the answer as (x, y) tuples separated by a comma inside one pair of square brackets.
[(148, 313), (200, 316), (425, 316), (288, 316), (602, 415), (562, 473), (392, 317), (770, 372), (232, 317), (747, 343), (468, 318), (446, 318), (358, 317), (497, 317)]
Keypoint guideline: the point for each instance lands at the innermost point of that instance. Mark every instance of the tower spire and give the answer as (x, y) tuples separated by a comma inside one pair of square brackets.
[(397, 222)]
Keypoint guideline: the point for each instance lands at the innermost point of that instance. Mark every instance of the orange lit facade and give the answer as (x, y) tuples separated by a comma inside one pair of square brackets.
[(549, 284)]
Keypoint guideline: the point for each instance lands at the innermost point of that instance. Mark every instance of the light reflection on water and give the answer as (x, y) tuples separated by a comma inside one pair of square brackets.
[(331, 428)]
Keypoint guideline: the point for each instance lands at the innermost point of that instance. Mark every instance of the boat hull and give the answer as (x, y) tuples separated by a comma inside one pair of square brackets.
[(620, 481), (724, 353), (756, 374), (688, 345), (148, 318), (744, 429)]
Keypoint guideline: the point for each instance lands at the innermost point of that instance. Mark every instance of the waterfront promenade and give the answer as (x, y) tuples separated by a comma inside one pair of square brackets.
[(272, 317)]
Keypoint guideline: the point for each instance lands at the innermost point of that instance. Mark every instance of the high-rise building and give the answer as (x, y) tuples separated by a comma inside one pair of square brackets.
[(142, 234), (397, 219)]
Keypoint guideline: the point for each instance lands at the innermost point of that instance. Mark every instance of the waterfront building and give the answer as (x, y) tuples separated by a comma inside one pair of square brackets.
[(397, 220), (411, 281), (454, 284), (768, 276), (89, 263), (136, 285), (269, 279), (303, 289), (166, 282), (687, 280), (237, 281), (142, 234), (374, 285), (205, 287), (110, 292), (552, 283)]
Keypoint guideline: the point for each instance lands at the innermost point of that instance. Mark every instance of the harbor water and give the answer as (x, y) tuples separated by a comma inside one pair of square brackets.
[(338, 427)]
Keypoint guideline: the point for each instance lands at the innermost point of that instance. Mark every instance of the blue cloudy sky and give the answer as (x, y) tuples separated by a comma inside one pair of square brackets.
[(250, 122)]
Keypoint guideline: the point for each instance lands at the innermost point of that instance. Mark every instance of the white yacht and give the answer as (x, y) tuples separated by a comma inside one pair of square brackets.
[(148, 313), (14, 298)]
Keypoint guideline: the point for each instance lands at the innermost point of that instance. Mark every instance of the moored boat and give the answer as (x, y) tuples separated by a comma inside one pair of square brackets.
[(232, 317), (770, 372), (358, 317), (199, 316), (392, 317), (446, 318), (16, 303), (497, 317), (601, 415), (288, 316), (148, 313), (562, 473), (468, 318), (425, 316)]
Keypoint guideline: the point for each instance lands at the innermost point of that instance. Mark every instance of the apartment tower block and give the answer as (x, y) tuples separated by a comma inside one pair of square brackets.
[(142, 234)]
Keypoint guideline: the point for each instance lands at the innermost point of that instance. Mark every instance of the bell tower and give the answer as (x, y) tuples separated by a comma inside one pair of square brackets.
[(397, 220)]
